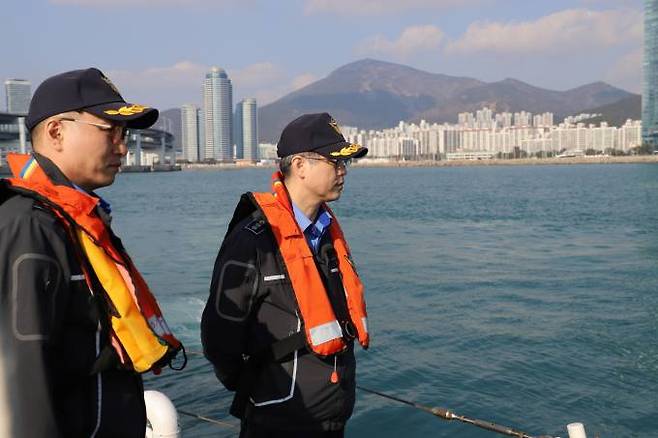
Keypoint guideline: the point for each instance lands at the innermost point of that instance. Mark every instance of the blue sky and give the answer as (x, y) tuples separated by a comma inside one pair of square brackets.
[(157, 51)]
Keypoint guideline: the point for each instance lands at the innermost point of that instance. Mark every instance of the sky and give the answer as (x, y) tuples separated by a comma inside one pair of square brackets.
[(158, 51)]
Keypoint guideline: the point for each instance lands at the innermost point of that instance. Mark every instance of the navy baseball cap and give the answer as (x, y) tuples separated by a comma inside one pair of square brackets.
[(86, 90), (317, 133)]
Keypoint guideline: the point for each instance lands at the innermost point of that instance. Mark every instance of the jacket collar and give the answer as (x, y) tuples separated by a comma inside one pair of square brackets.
[(52, 171)]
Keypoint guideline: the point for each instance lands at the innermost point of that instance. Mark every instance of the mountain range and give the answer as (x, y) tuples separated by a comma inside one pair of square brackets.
[(373, 94)]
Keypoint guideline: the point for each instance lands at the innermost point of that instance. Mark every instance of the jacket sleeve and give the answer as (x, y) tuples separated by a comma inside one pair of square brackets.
[(34, 277), (226, 317)]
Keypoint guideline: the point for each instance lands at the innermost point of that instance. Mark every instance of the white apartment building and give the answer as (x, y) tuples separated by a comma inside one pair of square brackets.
[(503, 133)]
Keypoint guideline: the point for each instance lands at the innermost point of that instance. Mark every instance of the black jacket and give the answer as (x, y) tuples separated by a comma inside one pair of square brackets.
[(252, 305), (53, 330)]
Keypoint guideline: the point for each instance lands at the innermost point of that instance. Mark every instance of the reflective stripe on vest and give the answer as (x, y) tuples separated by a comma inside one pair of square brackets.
[(323, 332), (139, 333)]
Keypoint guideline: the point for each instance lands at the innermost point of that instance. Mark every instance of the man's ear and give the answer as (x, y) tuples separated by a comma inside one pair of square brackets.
[(53, 134), (298, 167)]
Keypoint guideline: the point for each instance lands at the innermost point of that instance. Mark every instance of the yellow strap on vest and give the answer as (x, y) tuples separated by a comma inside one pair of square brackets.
[(137, 338)]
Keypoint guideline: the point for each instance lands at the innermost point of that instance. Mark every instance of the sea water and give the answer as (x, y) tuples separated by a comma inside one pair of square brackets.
[(525, 296)]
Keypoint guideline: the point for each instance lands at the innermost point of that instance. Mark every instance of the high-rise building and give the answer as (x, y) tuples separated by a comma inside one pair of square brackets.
[(237, 132), (218, 115), (650, 92), (522, 119), (249, 127), (192, 133), (19, 93)]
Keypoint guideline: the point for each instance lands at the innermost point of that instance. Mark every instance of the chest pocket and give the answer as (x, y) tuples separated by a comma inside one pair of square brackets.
[(33, 313)]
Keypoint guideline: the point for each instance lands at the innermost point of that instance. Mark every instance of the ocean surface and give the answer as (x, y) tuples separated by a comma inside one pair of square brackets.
[(527, 296)]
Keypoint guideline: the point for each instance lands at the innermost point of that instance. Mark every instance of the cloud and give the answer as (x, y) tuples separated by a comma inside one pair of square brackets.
[(561, 32), (254, 75), (380, 7), (412, 40), (268, 93), (626, 72), (302, 80), (178, 75), (617, 3), (174, 85)]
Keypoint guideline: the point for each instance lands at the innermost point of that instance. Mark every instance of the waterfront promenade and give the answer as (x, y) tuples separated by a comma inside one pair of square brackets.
[(631, 159)]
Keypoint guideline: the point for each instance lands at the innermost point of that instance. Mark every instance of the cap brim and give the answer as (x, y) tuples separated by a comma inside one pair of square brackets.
[(133, 115), (342, 151)]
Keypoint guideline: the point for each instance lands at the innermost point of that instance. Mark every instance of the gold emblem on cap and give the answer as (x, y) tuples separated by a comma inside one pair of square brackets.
[(347, 150), (334, 125), (110, 84), (127, 110)]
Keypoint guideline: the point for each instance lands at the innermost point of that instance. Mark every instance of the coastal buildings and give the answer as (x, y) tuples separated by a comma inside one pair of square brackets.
[(506, 135), (217, 109), (650, 91), (18, 93)]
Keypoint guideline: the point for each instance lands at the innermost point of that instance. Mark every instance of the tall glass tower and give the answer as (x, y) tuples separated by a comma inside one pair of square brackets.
[(250, 129), (650, 92), (237, 132), (190, 132), (217, 108)]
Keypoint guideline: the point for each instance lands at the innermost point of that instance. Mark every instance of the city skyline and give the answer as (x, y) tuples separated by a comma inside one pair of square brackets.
[(290, 44)]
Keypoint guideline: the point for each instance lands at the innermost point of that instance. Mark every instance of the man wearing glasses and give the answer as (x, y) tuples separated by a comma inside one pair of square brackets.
[(286, 304), (78, 324)]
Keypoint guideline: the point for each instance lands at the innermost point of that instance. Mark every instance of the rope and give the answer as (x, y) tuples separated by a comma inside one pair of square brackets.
[(441, 413), (206, 419), (448, 415)]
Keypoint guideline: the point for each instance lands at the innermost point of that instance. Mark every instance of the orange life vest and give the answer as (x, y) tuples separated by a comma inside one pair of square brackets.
[(324, 333), (139, 333)]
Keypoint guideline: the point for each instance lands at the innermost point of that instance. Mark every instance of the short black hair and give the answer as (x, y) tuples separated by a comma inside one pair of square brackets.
[(285, 163)]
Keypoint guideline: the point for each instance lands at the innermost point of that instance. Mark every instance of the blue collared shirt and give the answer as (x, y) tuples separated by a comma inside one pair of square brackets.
[(313, 230), (107, 208)]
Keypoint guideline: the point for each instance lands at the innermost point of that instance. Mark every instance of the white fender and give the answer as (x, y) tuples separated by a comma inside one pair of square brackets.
[(576, 430), (161, 415)]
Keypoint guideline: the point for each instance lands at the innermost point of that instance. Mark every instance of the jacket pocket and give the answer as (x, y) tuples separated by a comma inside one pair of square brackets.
[(275, 383)]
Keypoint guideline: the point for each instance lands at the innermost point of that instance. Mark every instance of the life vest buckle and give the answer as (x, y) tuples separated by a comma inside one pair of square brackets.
[(349, 331)]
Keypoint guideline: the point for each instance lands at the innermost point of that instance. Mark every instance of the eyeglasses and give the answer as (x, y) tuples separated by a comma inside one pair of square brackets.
[(118, 133), (337, 164)]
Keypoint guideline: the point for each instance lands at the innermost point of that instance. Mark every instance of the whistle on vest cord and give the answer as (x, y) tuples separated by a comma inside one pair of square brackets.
[(334, 373)]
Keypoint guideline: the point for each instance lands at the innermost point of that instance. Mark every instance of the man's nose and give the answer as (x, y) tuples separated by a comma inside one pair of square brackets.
[(122, 147)]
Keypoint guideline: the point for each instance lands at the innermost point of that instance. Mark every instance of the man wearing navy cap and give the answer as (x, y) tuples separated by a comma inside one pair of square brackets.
[(78, 323), (286, 304)]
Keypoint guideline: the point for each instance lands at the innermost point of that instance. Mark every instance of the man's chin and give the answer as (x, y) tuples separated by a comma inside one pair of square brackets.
[(333, 196), (108, 180)]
